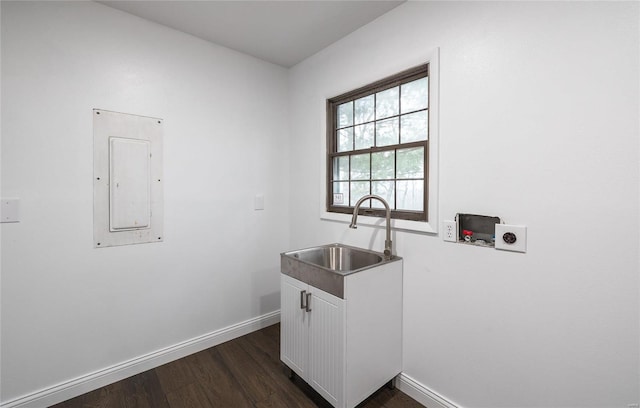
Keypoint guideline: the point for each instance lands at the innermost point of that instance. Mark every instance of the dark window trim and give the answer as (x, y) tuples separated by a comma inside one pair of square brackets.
[(332, 103)]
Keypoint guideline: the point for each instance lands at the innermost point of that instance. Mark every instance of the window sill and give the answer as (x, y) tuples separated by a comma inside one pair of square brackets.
[(399, 225)]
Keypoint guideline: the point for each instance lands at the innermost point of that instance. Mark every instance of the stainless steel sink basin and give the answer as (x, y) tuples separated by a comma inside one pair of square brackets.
[(326, 266), (339, 258)]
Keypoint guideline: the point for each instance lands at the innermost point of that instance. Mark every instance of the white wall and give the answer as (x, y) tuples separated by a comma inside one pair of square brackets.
[(538, 125), (69, 309), (540, 99)]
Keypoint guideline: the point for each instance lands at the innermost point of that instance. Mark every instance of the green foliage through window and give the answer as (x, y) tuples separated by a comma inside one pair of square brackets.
[(377, 143)]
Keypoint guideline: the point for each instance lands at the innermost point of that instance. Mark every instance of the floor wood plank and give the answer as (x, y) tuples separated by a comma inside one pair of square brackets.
[(243, 373)]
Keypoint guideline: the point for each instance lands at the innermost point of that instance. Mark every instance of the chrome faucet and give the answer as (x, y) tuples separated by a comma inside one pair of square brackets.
[(354, 219)]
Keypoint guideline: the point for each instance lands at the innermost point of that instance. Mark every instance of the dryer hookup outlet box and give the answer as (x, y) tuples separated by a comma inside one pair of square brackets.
[(511, 237)]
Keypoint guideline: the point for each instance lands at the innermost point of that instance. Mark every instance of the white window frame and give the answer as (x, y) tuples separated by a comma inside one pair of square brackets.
[(432, 223)]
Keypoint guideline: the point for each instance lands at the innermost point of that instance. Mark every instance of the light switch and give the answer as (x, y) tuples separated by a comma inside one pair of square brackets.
[(511, 237), (258, 202), (10, 210)]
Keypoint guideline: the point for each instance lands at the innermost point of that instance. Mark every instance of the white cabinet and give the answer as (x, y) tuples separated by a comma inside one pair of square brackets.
[(294, 327), (345, 348), (312, 333)]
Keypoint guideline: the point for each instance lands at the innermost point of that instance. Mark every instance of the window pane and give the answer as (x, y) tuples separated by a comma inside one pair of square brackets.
[(358, 190), (364, 136), (345, 114), (341, 168), (345, 139), (410, 163), (382, 165), (415, 95), (340, 193), (413, 127), (364, 108), (410, 195), (384, 189), (387, 103), (387, 132), (360, 167), (379, 143)]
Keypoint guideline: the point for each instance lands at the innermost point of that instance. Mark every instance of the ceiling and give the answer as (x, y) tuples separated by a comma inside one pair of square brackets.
[(281, 32)]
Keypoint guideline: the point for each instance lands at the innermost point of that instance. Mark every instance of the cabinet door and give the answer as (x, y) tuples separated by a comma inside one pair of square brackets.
[(327, 345), (294, 325)]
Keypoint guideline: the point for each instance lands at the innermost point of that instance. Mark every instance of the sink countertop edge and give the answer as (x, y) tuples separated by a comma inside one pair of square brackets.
[(331, 281)]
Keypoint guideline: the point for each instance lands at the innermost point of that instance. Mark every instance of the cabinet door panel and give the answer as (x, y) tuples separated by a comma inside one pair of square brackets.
[(326, 345), (294, 326)]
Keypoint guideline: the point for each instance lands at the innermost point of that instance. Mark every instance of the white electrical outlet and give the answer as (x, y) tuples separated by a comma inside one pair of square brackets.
[(450, 231), (511, 237), (10, 210), (258, 202)]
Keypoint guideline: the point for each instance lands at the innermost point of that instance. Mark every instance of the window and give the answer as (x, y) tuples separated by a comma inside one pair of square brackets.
[(377, 143)]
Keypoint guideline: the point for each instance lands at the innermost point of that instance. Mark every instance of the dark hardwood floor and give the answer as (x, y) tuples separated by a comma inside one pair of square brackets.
[(245, 372)]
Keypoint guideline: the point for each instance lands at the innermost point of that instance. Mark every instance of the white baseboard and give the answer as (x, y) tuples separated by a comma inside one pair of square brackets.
[(78, 386), (422, 394)]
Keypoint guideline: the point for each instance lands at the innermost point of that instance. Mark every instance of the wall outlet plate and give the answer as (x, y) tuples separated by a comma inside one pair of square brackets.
[(10, 210), (511, 237), (450, 231), (258, 202)]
